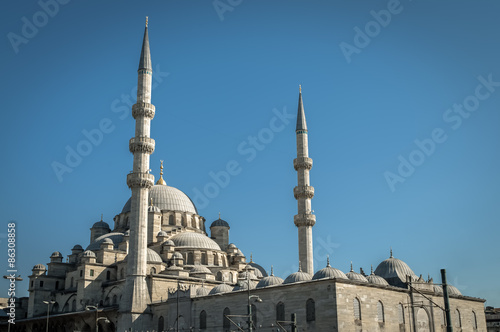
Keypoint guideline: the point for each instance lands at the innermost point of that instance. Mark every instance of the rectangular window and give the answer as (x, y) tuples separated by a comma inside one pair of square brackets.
[(41, 283), (81, 273), (91, 273)]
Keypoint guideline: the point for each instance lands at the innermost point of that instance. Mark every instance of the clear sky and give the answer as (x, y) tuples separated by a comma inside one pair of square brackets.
[(402, 104)]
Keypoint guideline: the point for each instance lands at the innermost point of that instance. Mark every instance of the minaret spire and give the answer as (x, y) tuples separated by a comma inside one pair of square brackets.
[(304, 219), (135, 297)]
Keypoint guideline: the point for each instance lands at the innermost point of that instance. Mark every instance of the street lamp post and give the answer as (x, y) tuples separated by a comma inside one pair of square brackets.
[(258, 299), (48, 303), (97, 318)]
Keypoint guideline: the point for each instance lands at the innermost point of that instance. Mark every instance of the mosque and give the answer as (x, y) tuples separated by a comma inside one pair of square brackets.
[(158, 268)]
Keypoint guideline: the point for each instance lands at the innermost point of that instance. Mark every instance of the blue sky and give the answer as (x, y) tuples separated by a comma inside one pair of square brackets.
[(403, 124)]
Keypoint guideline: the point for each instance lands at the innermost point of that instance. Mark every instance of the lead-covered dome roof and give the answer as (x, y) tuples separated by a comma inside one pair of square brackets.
[(194, 240), (329, 272), (222, 288), (351, 275), (271, 280), (219, 222), (394, 271), (297, 277), (116, 237), (167, 198)]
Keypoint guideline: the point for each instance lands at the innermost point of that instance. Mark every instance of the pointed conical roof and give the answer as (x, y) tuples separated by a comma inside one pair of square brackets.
[(145, 61), (301, 116)]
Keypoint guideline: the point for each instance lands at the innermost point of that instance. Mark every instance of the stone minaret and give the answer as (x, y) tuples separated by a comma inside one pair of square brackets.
[(304, 220), (136, 295)]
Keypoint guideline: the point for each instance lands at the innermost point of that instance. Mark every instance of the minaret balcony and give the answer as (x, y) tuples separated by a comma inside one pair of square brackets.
[(146, 110), (142, 144), (302, 163), (140, 180), (304, 220), (303, 192)]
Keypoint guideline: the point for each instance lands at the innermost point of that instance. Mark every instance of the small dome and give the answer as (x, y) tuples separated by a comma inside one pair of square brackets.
[(200, 269), (101, 224), (394, 271), (194, 240), (243, 285), (162, 233), (271, 280), (202, 291), (251, 275), (351, 275), (39, 267), (375, 279), (88, 253), (255, 271), (177, 255), (329, 272), (167, 198), (151, 256), (222, 288), (232, 246), (154, 209), (77, 247), (56, 254), (169, 243), (115, 237), (452, 290), (259, 270), (107, 241), (297, 277), (438, 289), (240, 253), (220, 223)]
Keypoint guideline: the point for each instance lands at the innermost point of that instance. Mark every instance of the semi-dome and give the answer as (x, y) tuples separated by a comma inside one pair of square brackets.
[(39, 267), (222, 288), (115, 237), (220, 223), (151, 256), (167, 198), (351, 275), (200, 269), (271, 280), (375, 279), (297, 276), (194, 240), (329, 272), (395, 271)]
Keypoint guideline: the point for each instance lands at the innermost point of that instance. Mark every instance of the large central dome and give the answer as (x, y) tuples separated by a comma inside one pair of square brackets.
[(167, 198)]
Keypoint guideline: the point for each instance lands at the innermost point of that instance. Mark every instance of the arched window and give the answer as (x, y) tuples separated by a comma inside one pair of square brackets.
[(216, 259), (226, 324), (380, 312), (356, 308), (310, 310), (73, 305), (204, 259), (171, 220), (474, 320), (459, 319), (193, 222), (161, 324), (55, 307), (183, 221), (254, 316), (190, 258), (280, 311), (115, 300), (108, 275), (401, 314), (152, 271), (203, 320)]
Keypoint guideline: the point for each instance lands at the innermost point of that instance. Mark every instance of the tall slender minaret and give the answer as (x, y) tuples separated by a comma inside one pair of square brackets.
[(135, 298), (304, 219)]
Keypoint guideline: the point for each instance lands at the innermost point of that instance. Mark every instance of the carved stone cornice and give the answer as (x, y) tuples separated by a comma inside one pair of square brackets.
[(302, 163), (304, 220), (143, 109), (303, 192), (142, 144), (140, 180)]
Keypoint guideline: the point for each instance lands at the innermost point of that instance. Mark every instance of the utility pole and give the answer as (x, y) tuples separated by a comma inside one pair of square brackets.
[(294, 323), (449, 327)]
